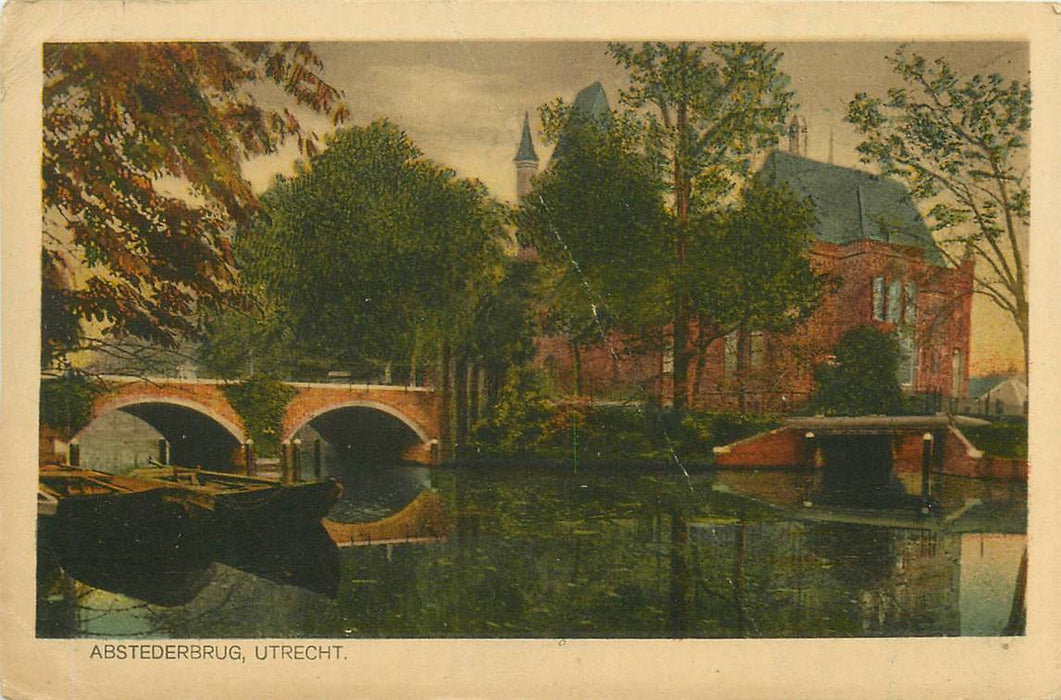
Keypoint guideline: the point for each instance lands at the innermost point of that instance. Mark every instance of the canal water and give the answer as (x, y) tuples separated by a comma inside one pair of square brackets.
[(536, 552)]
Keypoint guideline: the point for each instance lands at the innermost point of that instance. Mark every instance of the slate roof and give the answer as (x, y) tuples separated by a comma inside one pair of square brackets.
[(591, 103), (526, 145), (852, 205), (1012, 392)]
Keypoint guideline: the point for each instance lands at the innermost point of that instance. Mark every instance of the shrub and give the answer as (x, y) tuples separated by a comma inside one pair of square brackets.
[(519, 423), (260, 402), (864, 378), (1001, 439)]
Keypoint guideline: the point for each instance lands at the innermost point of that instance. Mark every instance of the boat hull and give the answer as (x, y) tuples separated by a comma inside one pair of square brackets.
[(148, 527)]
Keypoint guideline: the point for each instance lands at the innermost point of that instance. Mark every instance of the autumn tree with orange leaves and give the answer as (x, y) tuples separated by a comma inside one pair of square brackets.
[(143, 145)]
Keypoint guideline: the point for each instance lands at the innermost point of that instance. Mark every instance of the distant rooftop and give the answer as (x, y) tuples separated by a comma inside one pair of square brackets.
[(853, 205), (591, 104)]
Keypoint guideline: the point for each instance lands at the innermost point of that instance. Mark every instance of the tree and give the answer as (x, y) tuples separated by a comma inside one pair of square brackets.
[(960, 144), (863, 379), (373, 254), (754, 272), (705, 111), (506, 325), (597, 222), (142, 151)]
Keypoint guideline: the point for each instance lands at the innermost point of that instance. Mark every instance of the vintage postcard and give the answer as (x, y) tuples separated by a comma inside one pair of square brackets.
[(407, 348)]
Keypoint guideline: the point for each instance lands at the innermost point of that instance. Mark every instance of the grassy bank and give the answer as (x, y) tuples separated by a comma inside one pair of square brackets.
[(1002, 438), (612, 435)]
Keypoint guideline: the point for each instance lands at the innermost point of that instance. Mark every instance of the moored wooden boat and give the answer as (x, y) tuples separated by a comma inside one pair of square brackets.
[(225, 493), (90, 515), (250, 509)]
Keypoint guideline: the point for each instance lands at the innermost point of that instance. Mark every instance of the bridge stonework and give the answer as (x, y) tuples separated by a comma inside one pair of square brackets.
[(206, 397), (419, 408)]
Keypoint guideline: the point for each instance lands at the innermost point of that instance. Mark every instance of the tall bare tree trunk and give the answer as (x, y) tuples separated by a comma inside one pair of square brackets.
[(460, 380), (682, 192), (576, 366), (473, 395), (447, 398)]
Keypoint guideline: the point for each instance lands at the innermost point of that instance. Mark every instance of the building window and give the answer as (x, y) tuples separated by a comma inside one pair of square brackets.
[(910, 306), (878, 298), (957, 370), (895, 301)]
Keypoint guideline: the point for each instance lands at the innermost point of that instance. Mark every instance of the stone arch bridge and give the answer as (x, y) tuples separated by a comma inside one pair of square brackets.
[(195, 414)]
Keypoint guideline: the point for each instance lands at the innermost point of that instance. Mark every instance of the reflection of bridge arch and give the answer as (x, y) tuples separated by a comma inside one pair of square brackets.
[(359, 403), (123, 403)]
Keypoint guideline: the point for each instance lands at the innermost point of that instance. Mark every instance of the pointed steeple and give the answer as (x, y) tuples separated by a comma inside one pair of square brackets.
[(526, 153)]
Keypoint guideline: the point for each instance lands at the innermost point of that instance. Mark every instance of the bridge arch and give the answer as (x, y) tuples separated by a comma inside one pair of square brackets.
[(348, 431), (309, 417), (125, 402), (124, 431)]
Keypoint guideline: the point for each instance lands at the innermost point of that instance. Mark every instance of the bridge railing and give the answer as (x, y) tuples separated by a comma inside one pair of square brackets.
[(202, 381)]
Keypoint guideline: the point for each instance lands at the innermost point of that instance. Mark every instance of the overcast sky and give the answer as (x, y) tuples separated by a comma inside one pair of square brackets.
[(463, 104)]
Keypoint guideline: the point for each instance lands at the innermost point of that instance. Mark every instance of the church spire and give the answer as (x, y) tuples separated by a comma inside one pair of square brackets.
[(526, 161), (526, 153)]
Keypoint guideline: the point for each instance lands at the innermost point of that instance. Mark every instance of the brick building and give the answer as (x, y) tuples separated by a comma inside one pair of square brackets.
[(869, 236)]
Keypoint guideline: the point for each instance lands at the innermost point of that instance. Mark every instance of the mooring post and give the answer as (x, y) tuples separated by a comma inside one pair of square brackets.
[(163, 450), (926, 472), (248, 457), (812, 458), (296, 459), (810, 450), (938, 457), (285, 461), (318, 462), (73, 453)]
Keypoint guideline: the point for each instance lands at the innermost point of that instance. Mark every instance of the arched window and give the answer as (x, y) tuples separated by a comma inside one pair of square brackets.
[(895, 301), (957, 372)]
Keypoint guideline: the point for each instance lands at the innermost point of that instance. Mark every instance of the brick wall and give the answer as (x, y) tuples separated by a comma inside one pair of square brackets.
[(784, 377)]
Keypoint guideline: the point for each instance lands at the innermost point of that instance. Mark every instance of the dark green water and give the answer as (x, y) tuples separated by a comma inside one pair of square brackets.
[(536, 553)]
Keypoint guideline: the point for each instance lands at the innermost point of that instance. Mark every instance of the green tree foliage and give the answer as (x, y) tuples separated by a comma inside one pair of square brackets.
[(373, 253), (66, 402), (142, 148), (960, 143), (863, 379), (247, 342), (506, 324), (519, 421), (597, 221), (704, 112), (752, 272)]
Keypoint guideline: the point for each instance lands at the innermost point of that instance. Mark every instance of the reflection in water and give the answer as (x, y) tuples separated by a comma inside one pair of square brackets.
[(537, 553), (858, 471), (989, 567), (371, 492), (65, 580)]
